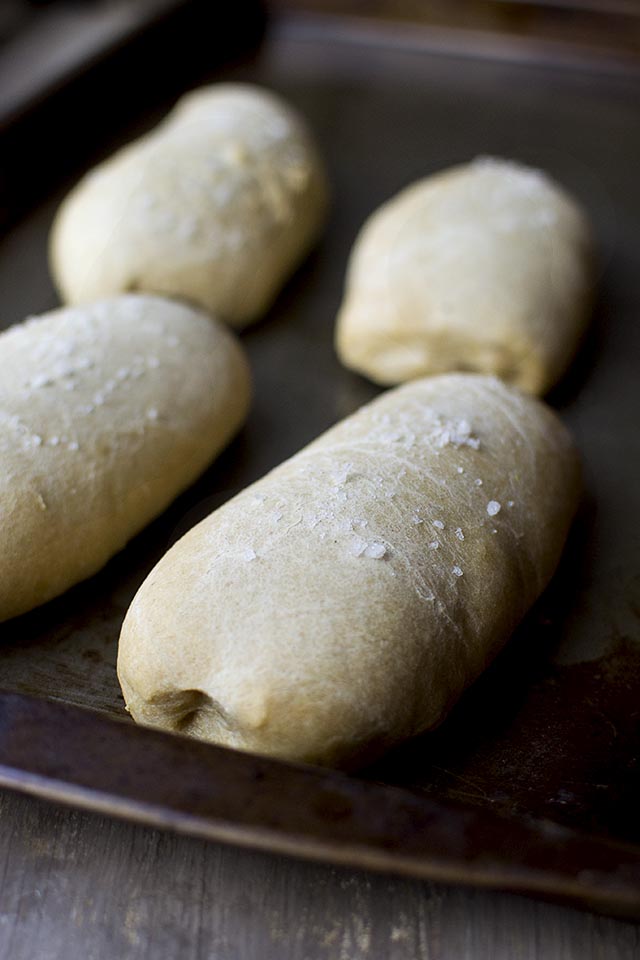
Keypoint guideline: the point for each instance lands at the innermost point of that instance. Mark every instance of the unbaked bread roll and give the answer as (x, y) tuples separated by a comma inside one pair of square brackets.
[(107, 412), (485, 267), (217, 206), (345, 601)]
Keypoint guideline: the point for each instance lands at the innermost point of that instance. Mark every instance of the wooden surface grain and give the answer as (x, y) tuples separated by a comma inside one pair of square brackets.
[(82, 887)]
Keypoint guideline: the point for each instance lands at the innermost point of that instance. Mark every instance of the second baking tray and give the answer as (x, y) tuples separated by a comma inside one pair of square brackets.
[(533, 783)]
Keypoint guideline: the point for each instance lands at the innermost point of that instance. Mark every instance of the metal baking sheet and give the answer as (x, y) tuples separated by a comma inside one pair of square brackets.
[(550, 735)]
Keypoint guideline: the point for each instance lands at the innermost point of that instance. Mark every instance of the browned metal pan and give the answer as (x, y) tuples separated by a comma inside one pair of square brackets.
[(83, 758), (533, 783)]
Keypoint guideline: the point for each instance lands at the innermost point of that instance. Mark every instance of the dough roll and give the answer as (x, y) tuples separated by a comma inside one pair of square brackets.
[(344, 601), (486, 267), (107, 412), (216, 206)]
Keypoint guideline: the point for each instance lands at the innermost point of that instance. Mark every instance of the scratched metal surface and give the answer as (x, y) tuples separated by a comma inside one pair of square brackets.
[(553, 729)]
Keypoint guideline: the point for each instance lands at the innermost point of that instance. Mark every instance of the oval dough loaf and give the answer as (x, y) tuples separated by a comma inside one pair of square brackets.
[(344, 601), (107, 412), (217, 206), (485, 267)]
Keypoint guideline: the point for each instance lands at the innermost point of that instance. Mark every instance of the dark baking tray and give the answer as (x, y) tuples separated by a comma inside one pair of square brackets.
[(533, 783)]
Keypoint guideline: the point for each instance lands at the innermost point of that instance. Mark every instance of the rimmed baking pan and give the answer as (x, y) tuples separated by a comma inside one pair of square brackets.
[(533, 783)]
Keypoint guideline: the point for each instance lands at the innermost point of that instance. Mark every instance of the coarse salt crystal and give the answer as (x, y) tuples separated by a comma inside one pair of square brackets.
[(375, 550), (434, 544), (460, 469), (342, 473), (41, 380), (459, 533), (438, 524), (249, 554), (358, 546), (456, 571), (457, 433), (493, 507), (478, 482)]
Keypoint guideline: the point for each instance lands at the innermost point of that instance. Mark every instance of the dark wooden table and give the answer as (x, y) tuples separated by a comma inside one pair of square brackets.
[(83, 887)]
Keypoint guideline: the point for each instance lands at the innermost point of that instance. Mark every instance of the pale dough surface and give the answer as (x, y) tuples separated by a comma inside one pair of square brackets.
[(484, 267), (107, 412), (344, 601), (216, 206)]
